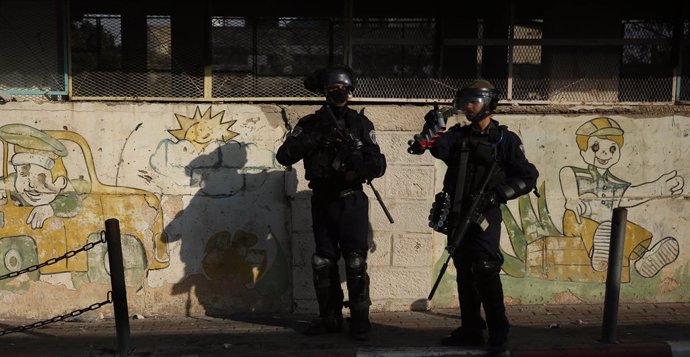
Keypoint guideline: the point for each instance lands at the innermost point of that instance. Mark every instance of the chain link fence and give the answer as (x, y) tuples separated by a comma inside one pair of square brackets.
[(635, 68), (108, 61), (135, 55), (268, 57), (684, 77), (32, 49)]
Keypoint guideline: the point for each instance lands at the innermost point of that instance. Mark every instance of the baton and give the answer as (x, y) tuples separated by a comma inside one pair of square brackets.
[(378, 198)]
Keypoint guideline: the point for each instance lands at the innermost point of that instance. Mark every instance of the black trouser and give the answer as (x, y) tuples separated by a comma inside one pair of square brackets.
[(478, 263), (340, 226)]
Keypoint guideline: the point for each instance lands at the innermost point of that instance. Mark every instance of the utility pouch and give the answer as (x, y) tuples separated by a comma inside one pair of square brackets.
[(440, 212)]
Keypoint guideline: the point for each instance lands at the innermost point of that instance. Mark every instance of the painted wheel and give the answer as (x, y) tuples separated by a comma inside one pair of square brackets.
[(13, 260), (17, 253), (134, 262)]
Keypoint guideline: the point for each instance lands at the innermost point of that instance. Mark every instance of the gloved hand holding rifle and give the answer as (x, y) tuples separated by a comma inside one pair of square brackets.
[(473, 214), (349, 153)]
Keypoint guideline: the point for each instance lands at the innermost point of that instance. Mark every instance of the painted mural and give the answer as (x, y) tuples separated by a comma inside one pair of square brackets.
[(211, 200), (591, 191), (231, 258), (51, 202), (206, 224), (578, 251)]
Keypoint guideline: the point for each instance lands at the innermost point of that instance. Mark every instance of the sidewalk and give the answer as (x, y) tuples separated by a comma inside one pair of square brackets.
[(538, 330)]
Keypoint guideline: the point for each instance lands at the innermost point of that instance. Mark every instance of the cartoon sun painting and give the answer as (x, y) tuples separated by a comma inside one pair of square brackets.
[(203, 129)]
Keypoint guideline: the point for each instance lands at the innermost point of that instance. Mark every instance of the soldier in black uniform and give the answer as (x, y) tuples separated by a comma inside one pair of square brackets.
[(340, 153), (478, 259)]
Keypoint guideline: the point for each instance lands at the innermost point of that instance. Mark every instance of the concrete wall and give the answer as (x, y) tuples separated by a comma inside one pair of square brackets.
[(212, 224)]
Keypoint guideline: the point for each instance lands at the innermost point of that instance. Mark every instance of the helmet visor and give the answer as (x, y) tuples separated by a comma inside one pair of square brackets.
[(462, 103)]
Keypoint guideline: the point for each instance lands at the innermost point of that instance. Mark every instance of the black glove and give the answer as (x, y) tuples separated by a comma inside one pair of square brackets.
[(430, 116), (355, 161), (307, 141), (434, 123), (434, 126), (316, 140), (490, 199), (415, 145), (325, 141)]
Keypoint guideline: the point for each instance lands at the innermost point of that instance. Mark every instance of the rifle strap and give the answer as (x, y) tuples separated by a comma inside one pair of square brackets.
[(460, 183)]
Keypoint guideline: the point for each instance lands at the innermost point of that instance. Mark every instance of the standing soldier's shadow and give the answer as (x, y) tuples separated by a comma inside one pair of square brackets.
[(228, 236), (304, 306)]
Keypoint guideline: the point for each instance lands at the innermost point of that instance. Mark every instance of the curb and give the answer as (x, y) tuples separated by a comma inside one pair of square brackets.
[(667, 348), (656, 349), (680, 348)]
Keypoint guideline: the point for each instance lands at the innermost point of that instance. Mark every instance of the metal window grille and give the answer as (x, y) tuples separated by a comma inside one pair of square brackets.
[(32, 55), (683, 87), (646, 72), (395, 59), (110, 62), (269, 57), (96, 52)]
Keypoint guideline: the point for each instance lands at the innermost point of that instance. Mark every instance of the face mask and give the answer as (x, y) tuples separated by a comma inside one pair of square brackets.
[(477, 117), (337, 96)]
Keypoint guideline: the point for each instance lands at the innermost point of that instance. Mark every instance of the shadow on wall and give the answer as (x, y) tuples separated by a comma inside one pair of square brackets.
[(304, 295), (227, 236)]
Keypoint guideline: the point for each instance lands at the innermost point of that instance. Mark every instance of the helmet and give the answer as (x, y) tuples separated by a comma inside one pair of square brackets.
[(330, 76), (338, 75), (478, 91)]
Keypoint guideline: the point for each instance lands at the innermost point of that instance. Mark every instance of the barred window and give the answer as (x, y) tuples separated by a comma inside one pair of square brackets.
[(32, 48), (262, 51), (96, 42)]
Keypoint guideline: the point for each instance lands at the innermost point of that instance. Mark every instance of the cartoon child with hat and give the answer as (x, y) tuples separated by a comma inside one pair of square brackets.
[(37, 160), (593, 192)]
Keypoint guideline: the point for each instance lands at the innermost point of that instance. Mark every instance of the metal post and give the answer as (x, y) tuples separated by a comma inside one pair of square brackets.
[(511, 36), (347, 45), (117, 279), (613, 275)]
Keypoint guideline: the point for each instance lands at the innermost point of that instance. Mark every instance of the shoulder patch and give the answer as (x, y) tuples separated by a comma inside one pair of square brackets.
[(522, 148), (296, 131), (372, 135)]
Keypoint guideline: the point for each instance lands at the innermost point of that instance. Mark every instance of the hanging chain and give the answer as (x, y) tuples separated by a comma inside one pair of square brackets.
[(52, 261), (74, 313)]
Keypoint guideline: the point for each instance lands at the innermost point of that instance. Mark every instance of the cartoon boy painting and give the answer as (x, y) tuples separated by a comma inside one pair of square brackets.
[(40, 178), (593, 192)]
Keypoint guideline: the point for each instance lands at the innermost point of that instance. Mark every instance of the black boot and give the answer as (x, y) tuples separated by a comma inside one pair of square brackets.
[(498, 342), (324, 325), (358, 290), (359, 323), (329, 295), (464, 337)]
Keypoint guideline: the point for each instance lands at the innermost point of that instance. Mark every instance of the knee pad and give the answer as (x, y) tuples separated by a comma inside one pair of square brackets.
[(357, 279), (355, 262), (322, 268)]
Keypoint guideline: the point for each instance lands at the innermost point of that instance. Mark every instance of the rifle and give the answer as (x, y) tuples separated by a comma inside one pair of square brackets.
[(351, 141), (472, 214)]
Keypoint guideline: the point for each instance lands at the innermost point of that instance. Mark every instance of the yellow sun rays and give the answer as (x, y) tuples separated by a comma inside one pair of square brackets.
[(203, 129)]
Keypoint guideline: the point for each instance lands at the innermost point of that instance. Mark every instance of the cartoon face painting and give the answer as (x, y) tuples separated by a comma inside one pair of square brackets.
[(601, 152), (35, 185)]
